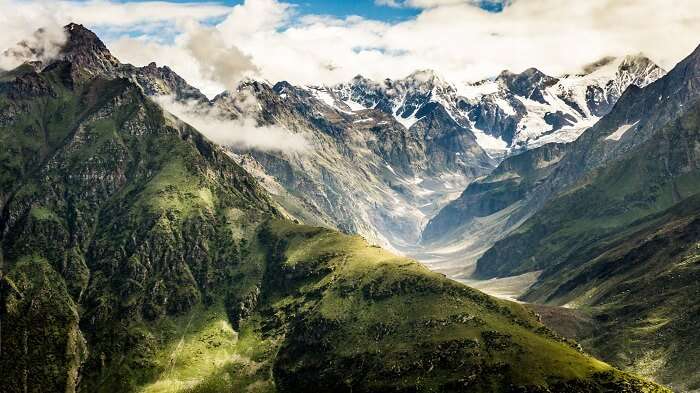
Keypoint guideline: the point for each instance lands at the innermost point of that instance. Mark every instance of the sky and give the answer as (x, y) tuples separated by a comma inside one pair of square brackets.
[(214, 44)]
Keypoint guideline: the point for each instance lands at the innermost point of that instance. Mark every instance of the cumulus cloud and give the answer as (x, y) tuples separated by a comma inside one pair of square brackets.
[(218, 61), (438, 3), (42, 45), (464, 42), (242, 133), (460, 41), (20, 41)]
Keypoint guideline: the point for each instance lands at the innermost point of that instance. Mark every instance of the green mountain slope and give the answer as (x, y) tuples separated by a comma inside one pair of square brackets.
[(609, 243), (362, 319), (138, 257), (138, 214), (640, 286)]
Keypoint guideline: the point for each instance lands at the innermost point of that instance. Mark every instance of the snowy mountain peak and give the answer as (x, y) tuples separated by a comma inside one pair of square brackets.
[(506, 114)]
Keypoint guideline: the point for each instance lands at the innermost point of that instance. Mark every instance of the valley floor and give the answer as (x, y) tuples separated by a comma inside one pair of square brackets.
[(458, 262)]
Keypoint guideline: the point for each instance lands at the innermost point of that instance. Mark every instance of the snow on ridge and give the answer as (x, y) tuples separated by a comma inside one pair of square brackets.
[(474, 91), (354, 106)]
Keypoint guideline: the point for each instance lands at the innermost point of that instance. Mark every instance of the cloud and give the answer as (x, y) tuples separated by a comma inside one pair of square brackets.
[(42, 45), (389, 3), (464, 42), (242, 133), (489, 4), (118, 13), (143, 50), (218, 61), (20, 25), (460, 41)]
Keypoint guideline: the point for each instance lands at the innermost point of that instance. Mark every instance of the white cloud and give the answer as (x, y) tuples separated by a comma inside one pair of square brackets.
[(218, 61), (389, 3), (242, 133), (457, 39), (107, 12), (464, 42), (439, 3), (42, 45), (141, 51)]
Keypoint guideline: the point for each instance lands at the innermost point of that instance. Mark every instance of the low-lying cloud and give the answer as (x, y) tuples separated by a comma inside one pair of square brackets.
[(42, 45), (243, 133), (31, 35)]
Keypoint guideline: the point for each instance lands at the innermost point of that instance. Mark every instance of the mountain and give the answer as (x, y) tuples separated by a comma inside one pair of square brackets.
[(512, 112), (388, 155), (607, 221), (643, 130), (364, 172), (490, 208), (138, 256), (523, 183), (527, 110)]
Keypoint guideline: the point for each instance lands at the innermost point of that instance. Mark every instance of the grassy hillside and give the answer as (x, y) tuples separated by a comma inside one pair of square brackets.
[(138, 257), (640, 289), (340, 315), (622, 241), (362, 319)]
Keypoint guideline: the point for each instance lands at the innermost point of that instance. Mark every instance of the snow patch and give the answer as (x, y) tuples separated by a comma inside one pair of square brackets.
[(407, 122), (474, 91), (364, 120), (325, 97), (505, 106), (354, 106), (488, 142), (620, 132)]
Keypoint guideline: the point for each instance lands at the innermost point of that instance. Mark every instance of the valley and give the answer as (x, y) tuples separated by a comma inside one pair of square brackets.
[(523, 233)]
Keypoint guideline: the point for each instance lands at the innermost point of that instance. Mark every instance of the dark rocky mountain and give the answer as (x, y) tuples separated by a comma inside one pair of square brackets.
[(637, 115), (138, 256), (365, 172), (89, 57), (605, 219), (418, 139)]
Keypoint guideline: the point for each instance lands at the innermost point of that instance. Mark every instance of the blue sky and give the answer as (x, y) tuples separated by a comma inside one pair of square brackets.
[(343, 8)]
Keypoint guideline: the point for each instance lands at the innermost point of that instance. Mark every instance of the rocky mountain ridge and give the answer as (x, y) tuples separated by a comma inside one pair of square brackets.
[(136, 255), (424, 137), (603, 220), (511, 112)]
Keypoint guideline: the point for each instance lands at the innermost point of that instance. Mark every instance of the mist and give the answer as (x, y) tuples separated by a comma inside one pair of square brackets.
[(243, 133)]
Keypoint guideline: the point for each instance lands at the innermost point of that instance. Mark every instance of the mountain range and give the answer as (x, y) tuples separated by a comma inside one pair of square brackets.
[(138, 255), (387, 156)]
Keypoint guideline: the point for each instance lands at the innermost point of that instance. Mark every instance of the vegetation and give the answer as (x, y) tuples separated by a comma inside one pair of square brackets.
[(137, 257), (621, 245)]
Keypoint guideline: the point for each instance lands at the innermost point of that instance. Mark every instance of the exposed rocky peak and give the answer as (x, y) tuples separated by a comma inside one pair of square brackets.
[(528, 84), (87, 53), (592, 67), (367, 169), (425, 81), (251, 99), (158, 81), (88, 57)]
